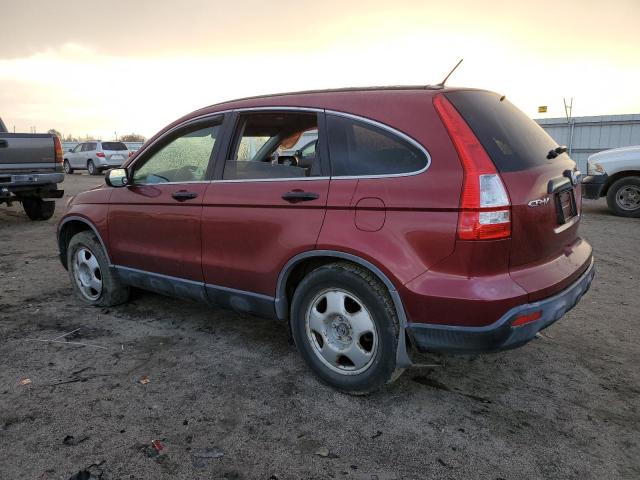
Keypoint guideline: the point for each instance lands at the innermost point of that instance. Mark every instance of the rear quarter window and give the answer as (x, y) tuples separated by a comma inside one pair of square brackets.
[(513, 141), (358, 148)]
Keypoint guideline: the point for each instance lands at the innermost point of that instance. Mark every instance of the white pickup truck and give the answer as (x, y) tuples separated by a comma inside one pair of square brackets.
[(615, 174)]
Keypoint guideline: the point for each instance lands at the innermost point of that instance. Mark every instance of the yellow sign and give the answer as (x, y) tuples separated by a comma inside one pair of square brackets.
[(542, 109)]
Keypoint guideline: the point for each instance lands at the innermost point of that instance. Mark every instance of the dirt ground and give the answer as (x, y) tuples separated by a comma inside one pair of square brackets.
[(229, 397)]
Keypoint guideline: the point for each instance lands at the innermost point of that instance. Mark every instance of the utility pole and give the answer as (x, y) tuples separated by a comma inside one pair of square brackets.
[(568, 112)]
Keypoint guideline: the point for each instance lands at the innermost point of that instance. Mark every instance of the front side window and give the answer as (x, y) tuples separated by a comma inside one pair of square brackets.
[(77, 148), (184, 159), (265, 147), (357, 148)]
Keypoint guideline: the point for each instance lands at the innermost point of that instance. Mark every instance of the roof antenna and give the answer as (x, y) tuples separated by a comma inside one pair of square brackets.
[(441, 84)]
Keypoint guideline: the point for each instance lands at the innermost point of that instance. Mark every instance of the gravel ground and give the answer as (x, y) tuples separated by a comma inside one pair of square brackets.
[(229, 397)]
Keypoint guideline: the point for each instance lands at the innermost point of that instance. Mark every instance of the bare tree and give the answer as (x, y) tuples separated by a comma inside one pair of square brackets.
[(53, 131), (132, 137)]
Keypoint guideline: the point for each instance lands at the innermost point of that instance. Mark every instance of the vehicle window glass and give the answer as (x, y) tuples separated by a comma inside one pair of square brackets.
[(113, 146), (266, 147), (92, 146), (357, 148), (513, 141), (85, 147), (77, 148), (184, 159)]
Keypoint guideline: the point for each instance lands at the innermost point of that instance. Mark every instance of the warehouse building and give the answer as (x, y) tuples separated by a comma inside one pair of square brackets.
[(587, 135)]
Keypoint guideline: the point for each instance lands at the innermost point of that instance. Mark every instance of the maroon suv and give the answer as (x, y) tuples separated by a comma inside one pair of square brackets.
[(439, 219)]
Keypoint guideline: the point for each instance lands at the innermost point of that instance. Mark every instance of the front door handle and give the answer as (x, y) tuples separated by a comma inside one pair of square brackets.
[(183, 195), (299, 196)]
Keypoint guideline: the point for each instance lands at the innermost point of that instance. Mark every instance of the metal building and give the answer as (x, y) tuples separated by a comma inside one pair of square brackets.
[(587, 135)]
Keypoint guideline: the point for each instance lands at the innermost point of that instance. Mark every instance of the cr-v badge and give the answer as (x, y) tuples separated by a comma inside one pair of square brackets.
[(538, 202)]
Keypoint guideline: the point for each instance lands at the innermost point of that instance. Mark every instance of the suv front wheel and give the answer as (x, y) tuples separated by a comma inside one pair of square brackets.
[(346, 328), (92, 279)]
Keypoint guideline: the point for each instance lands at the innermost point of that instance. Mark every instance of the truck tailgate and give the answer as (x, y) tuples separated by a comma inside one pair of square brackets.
[(26, 152)]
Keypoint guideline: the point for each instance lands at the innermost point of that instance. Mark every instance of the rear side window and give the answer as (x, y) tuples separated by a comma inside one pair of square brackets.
[(513, 141), (117, 146), (358, 148)]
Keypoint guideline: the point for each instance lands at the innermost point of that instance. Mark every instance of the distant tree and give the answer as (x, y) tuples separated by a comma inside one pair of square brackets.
[(70, 138), (132, 137), (53, 131)]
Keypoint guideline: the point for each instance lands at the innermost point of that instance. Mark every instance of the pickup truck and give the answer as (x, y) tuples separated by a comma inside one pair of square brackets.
[(615, 174), (30, 171)]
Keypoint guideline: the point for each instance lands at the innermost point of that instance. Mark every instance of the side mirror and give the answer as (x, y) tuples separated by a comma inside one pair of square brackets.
[(70, 150), (298, 154), (117, 177)]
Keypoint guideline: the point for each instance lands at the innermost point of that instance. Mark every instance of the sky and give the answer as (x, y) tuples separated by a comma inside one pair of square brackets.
[(110, 68)]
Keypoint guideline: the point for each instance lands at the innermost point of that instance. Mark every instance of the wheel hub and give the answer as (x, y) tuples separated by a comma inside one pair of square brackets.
[(341, 331)]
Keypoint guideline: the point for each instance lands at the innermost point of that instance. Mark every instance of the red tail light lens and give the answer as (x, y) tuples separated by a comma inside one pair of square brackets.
[(100, 154), (484, 203), (57, 145)]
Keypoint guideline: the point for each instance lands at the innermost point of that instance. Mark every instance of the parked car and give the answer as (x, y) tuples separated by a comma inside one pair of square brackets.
[(30, 171), (95, 157), (428, 218), (615, 174)]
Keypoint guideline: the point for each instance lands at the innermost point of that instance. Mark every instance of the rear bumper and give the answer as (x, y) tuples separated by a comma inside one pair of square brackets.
[(30, 179), (593, 186), (500, 335)]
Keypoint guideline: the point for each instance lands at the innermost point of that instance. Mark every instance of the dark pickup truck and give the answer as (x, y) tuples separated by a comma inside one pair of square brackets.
[(30, 170)]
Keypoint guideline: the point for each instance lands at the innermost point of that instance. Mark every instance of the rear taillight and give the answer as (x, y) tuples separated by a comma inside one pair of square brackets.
[(485, 207), (57, 146), (100, 154)]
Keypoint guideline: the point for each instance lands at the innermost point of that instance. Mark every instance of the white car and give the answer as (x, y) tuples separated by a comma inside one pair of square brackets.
[(96, 156), (615, 174)]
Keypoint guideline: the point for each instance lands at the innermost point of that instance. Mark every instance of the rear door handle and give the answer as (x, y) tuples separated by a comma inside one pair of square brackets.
[(183, 195), (299, 196)]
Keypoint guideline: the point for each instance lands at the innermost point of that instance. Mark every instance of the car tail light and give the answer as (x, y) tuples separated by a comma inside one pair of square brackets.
[(57, 146), (100, 154), (485, 207)]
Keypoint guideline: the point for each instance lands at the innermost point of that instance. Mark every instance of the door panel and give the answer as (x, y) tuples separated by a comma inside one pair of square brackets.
[(150, 230), (249, 231), (154, 223)]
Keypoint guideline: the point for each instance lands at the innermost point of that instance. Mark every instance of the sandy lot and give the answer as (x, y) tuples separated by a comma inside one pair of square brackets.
[(229, 397)]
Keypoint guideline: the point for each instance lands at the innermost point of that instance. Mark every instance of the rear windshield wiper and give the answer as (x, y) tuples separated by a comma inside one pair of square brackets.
[(556, 151)]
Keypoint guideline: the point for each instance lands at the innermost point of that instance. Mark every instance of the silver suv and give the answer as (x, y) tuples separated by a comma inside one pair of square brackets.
[(95, 156)]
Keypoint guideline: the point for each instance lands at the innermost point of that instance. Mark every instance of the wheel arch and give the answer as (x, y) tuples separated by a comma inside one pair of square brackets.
[(69, 227), (617, 176), (298, 266)]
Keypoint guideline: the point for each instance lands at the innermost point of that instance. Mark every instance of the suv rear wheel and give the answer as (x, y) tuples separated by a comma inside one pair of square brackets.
[(38, 209), (91, 168), (92, 279), (346, 328), (623, 197)]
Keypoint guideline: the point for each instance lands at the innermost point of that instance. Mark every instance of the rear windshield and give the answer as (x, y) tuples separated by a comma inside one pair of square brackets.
[(512, 140), (113, 146)]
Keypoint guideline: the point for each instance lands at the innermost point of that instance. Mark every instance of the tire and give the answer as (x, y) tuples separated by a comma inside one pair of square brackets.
[(623, 197), (38, 209), (354, 350), (92, 169), (67, 167), (92, 279)]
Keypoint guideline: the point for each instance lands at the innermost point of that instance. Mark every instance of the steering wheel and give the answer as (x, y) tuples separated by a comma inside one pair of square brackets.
[(288, 161)]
